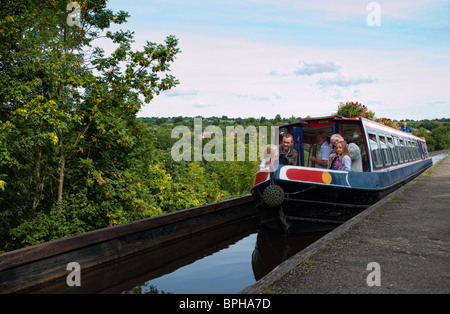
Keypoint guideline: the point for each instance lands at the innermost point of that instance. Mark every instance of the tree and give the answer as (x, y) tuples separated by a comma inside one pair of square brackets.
[(292, 119), (441, 137), (277, 119), (69, 133)]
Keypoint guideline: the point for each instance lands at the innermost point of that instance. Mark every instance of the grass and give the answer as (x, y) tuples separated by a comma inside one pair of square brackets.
[(269, 290)]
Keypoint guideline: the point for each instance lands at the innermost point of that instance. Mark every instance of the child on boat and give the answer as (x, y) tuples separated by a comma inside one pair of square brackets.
[(270, 156), (343, 162)]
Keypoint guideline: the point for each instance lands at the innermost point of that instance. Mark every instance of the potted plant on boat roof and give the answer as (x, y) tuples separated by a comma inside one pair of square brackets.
[(354, 110), (389, 122)]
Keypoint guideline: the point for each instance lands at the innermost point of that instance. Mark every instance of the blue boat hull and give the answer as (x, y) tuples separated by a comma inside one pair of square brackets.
[(317, 200)]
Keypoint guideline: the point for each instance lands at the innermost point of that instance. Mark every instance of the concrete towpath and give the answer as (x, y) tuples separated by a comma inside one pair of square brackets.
[(399, 245)]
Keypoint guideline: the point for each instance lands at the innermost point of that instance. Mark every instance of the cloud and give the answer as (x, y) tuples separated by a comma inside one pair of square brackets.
[(344, 81), (276, 73), (180, 92), (308, 69), (200, 106), (253, 97), (317, 68)]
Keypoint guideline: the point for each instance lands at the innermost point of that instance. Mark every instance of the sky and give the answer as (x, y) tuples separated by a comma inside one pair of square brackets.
[(260, 58)]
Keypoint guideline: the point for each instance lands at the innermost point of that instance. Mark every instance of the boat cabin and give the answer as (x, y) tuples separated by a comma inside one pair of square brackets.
[(380, 146)]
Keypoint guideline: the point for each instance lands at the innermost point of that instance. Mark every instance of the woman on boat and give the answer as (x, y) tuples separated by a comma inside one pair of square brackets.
[(343, 162)]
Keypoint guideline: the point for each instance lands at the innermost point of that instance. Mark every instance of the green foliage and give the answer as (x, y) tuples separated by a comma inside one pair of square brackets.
[(72, 216), (194, 187), (73, 155), (235, 177), (441, 137), (438, 139)]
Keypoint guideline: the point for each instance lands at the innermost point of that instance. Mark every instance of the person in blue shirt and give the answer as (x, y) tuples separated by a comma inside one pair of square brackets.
[(406, 128), (321, 160)]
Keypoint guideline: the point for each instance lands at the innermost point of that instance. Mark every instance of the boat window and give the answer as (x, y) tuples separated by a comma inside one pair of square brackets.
[(399, 150), (408, 152), (376, 155), (413, 147), (413, 150), (384, 150), (420, 150), (416, 149), (408, 145), (405, 153), (408, 149), (392, 150), (425, 149)]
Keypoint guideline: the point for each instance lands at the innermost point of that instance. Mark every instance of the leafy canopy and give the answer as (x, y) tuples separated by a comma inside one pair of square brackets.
[(73, 156)]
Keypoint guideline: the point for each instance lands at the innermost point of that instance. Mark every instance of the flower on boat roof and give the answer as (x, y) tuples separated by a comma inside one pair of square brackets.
[(354, 110), (389, 122)]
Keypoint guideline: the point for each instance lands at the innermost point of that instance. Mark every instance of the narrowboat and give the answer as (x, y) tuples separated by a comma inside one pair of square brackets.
[(303, 198)]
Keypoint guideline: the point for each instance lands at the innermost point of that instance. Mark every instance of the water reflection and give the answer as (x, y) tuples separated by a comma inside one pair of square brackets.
[(272, 249), (230, 269), (225, 271), (225, 259)]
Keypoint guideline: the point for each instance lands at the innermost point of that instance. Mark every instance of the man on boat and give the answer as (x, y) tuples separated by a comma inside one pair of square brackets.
[(288, 155), (406, 128), (325, 150)]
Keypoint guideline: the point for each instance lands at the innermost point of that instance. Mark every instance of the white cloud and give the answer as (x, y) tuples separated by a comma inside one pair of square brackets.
[(253, 97), (277, 73), (180, 91), (316, 68), (202, 106), (344, 81)]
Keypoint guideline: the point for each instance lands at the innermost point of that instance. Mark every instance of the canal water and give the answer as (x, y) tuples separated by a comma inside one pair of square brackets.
[(227, 267), (222, 260), (437, 158), (224, 271)]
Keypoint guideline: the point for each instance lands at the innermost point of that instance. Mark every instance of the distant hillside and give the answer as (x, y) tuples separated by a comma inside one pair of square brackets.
[(427, 124)]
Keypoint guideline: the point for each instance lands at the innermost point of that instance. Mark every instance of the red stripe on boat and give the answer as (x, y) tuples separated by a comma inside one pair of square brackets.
[(261, 177), (305, 175)]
